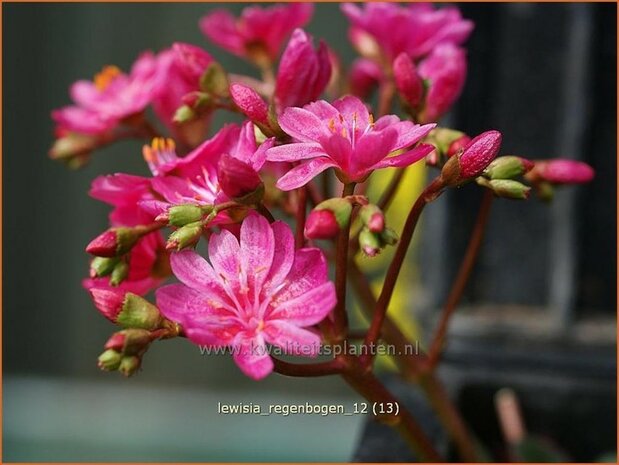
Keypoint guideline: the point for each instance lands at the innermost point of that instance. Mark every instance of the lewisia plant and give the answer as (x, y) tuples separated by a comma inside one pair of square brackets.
[(279, 201)]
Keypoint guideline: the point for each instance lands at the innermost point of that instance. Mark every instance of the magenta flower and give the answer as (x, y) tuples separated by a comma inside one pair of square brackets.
[(193, 178), (259, 33), (562, 171), (110, 98), (344, 136), (303, 72), (179, 69), (445, 71), (414, 29), (251, 294)]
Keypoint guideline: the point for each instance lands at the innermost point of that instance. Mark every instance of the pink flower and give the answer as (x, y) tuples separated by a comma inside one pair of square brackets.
[(414, 29), (179, 69), (445, 69), (344, 136), (193, 178), (110, 98), (250, 103), (256, 290), (563, 171), (259, 33), (364, 76), (303, 73)]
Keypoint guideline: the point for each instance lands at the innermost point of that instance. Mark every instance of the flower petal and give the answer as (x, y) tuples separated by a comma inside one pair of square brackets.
[(257, 246), (173, 301), (224, 252), (195, 272), (372, 148), (252, 357), (354, 111), (304, 173), (405, 159), (292, 339), (295, 152), (303, 125), (283, 258), (308, 308)]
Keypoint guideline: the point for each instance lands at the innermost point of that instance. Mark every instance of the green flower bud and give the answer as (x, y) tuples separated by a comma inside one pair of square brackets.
[(184, 237), (129, 365), (340, 207), (109, 360), (215, 80), (369, 242), (507, 167), (102, 266), (389, 236), (180, 215), (137, 312), (509, 188), (120, 273)]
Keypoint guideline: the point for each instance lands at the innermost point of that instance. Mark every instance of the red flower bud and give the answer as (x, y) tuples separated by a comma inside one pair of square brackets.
[(108, 301), (321, 224), (116, 342), (562, 171), (479, 153), (250, 103), (113, 242), (236, 178), (407, 81), (376, 223)]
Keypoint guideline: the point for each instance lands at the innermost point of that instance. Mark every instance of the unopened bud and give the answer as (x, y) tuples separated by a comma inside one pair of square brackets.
[(444, 138), (183, 114), (129, 341), (475, 157), (120, 273), (114, 242), (214, 80), (340, 207), (126, 309), (129, 365), (109, 360), (239, 180), (389, 236), (180, 215), (507, 188), (408, 82), (321, 224), (369, 242), (72, 145), (562, 171), (508, 167), (102, 266), (185, 236), (372, 217)]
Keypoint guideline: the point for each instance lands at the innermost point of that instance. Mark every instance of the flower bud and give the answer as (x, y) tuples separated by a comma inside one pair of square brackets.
[(507, 167), (214, 81), (72, 145), (184, 237), (180, 215), (372, 217), (129, 365), (129, 341), (250, 103), (389, 236), (120, 273), (407, 81), (447, 141), (109, 360), (126, 309), (562, 171), (114, 242), (102, 266), (509, 188), (184, 114), (321, 224), (341, 208), (369, 242), (239, 180), (476, 156), (364, 76)]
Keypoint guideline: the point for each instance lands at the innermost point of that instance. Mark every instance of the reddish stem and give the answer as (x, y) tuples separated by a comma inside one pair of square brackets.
[(332, 367), (459, 284), (301, 214), (429, 194)]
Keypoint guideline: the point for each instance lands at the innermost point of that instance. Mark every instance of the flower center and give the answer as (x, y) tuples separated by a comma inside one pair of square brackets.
[(104, 78), (159, 152)]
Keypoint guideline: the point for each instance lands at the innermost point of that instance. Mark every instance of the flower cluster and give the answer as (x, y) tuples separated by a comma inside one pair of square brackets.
[(304, 154)]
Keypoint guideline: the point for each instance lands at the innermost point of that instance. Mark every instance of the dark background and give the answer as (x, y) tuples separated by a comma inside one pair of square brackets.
[(543, 74)]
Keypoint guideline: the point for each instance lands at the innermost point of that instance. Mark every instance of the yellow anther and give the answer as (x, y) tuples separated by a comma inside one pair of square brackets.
[(104, 78)]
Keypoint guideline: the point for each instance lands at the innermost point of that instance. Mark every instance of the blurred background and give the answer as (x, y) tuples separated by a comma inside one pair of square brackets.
[(539, 313)]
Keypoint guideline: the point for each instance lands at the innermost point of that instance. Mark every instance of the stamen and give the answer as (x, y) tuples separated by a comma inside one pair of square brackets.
[(104, 78)]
